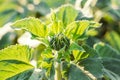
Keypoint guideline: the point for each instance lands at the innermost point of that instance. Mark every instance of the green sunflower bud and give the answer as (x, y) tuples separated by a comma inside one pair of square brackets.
[(59, 41)]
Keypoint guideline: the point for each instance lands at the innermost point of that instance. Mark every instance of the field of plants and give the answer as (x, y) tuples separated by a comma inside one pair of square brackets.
[(59, 40)]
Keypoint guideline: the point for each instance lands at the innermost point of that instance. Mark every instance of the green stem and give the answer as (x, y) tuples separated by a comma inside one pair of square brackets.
[(58, 75), (57, 65)]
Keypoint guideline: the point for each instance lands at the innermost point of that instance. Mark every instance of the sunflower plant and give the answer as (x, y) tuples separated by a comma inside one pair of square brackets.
[(62, 54)]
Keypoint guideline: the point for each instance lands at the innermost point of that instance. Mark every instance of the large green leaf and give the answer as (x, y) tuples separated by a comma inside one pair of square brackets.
[(14, 60), (33, 25), (75, 46), (110, 57), (76, 74), (22, 76), (112, 64), (56, 27), (67, 14), (94, 66), (110, 75), (105, 50), (89, 50), (75, 29), (77, 51)]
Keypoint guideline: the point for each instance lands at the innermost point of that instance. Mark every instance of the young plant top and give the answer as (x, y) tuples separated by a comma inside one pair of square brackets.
[(63, 53)]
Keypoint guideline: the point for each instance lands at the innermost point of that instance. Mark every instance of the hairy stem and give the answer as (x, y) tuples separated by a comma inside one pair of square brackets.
[(58, 75), (57, 65), (87, 73)]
